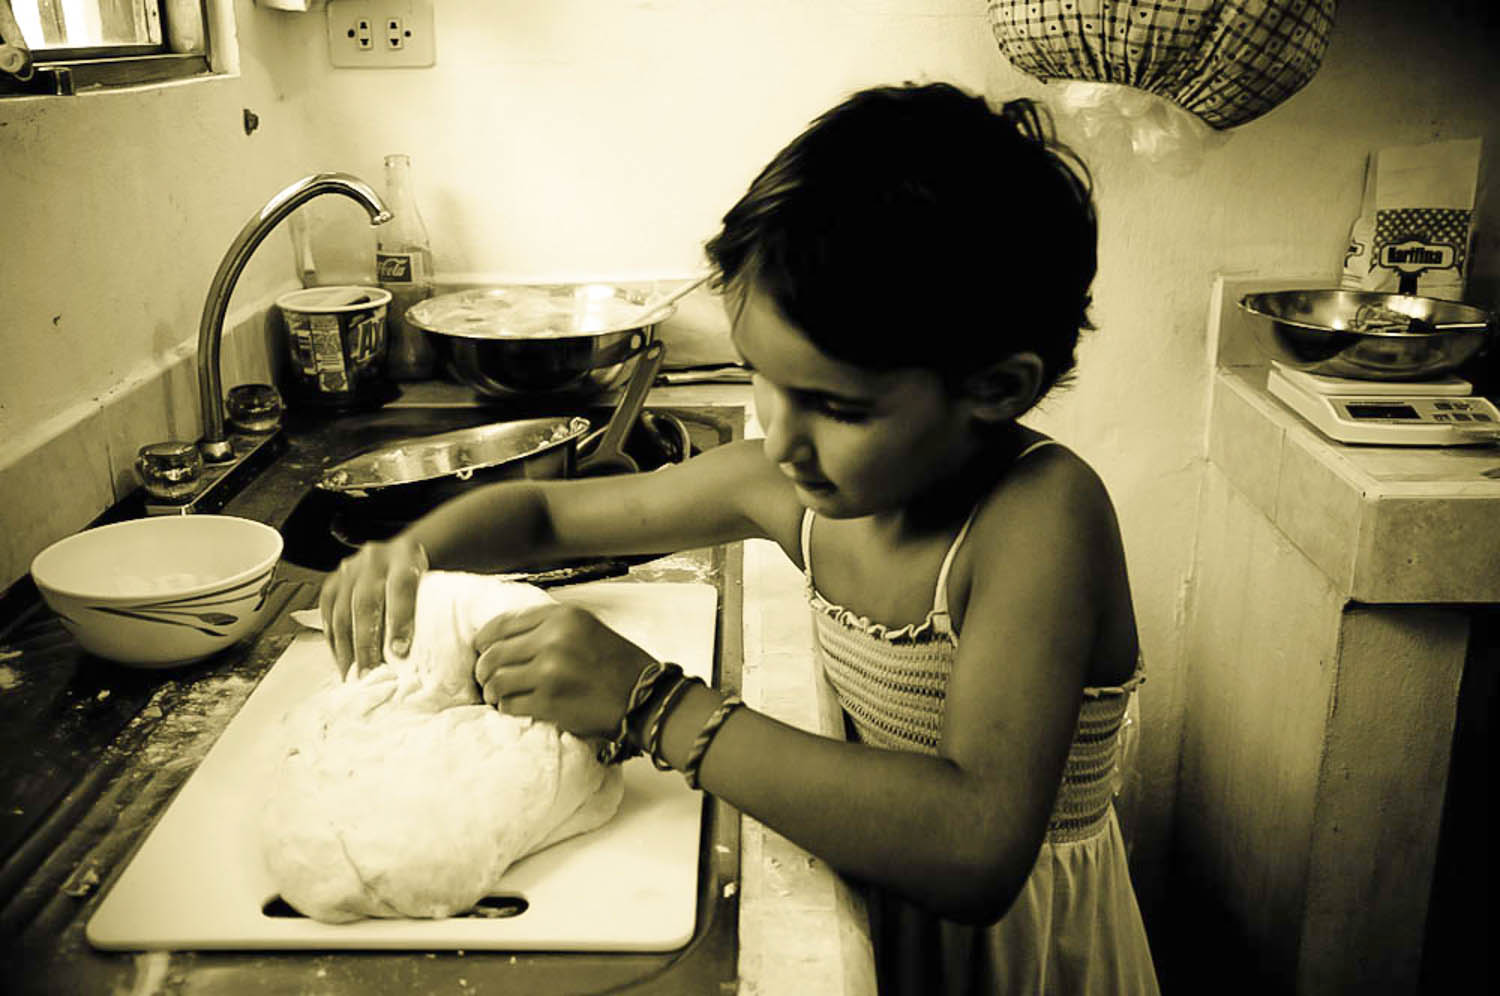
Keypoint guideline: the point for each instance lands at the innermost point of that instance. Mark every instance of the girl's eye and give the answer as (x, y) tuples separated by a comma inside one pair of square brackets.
[(807, 401), (842, 413)]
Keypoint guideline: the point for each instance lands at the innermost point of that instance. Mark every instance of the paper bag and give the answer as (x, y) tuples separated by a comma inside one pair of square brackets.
[(1414, 229)]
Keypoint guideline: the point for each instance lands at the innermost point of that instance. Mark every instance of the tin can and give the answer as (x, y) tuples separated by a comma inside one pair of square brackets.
[(336, 339)]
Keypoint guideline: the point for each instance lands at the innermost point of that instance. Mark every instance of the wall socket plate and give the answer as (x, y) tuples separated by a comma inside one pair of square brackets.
[(381, 34)]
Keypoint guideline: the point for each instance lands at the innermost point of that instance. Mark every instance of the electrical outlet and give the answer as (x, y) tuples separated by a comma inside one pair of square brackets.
[(380, 34)]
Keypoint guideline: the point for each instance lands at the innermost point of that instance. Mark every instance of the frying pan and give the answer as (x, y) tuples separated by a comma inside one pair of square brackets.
[(404, 480)]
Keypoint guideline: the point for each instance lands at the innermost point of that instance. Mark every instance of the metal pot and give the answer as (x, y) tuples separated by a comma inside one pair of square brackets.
[(405, 480), (542, 340), (397, 484), (580, 367), (1367, 335)]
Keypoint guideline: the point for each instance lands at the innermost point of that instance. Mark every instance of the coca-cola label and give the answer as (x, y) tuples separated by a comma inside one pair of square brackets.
[(395, 268)]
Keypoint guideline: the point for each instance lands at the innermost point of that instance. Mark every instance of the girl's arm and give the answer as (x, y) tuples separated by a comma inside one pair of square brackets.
[(726, 494), (957, 833), (730, 492)]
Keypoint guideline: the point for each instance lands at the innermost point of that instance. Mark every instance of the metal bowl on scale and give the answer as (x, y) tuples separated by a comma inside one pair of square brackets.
[(531, 341), (1367, 335)]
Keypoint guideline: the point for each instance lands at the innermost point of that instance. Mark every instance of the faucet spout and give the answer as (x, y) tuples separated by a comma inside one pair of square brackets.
[(215, 443)]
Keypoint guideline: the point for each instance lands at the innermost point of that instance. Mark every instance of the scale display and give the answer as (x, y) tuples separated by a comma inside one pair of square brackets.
[(1388, 413), (1382, 409)]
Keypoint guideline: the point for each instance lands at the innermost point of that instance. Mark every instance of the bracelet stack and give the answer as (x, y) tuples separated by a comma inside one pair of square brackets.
[(653, 729), (654, 677), (619, 749)]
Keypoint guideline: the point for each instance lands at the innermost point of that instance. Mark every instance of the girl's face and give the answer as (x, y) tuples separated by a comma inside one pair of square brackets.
[(854, 442)]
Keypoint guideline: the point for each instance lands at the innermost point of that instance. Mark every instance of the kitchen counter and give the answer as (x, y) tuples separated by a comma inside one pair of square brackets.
[(120, 743), (1386, 524), (1336, 596)]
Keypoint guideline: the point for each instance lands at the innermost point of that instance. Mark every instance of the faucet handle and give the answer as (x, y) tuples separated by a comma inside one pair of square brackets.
[(170, 470), (253, 408)]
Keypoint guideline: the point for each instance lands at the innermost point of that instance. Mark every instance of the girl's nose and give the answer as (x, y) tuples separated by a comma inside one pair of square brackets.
[(785, 440)]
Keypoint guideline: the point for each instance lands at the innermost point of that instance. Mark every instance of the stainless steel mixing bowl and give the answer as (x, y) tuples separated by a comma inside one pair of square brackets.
[(541, 340), (1367, 335)]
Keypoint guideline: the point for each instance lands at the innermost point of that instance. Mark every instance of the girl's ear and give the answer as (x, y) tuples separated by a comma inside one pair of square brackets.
[(1006, 388)]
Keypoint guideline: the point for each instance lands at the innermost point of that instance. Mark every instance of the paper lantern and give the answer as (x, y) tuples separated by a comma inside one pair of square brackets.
[(1226, 61)]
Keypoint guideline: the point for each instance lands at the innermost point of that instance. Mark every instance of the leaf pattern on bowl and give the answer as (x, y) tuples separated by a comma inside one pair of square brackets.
[(145, 617), (179, 611)]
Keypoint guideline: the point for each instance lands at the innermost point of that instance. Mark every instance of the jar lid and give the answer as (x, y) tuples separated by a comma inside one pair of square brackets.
[(333, 299)]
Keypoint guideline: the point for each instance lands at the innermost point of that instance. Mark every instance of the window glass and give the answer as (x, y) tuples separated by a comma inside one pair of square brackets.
[(72, 24)]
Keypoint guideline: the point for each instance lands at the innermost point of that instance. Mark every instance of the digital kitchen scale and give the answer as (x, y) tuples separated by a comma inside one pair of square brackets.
[(1441, 412)]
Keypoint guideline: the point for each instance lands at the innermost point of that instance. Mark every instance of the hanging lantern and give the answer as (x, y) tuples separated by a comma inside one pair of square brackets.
[(1226, 61)]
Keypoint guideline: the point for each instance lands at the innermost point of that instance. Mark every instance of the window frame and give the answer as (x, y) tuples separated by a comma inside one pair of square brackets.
[(69, 71)]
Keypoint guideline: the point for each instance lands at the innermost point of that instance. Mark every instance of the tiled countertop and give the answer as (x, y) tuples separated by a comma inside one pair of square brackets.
[(802, 928), (1387, 524)]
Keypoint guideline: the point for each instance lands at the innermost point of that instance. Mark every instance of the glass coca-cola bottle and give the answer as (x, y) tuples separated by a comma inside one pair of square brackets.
[(403, 266)]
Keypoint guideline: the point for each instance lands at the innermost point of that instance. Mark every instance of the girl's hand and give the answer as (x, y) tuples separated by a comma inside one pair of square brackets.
[(558, 663), (373, 592)]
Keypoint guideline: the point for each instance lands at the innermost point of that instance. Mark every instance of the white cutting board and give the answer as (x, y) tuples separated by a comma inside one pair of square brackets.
[(199, 882)]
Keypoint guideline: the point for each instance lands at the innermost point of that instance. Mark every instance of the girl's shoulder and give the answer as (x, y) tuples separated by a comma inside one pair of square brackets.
[(1047, 480), (1045, 542), (1051, 503)]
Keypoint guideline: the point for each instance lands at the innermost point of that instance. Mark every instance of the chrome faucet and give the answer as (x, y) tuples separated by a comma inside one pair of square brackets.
[(215, 444)]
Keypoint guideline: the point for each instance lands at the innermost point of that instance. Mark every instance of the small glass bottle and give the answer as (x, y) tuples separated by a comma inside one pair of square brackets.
[(403, 266)]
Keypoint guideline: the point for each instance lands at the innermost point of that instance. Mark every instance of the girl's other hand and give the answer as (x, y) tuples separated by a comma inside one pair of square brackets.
[(558, 663), (372, 593)]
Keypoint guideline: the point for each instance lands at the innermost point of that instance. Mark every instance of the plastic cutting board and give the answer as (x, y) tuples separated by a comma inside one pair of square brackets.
[(198, 881)]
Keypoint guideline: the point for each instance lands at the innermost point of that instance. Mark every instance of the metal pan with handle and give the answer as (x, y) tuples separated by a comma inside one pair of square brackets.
[(403, 481)]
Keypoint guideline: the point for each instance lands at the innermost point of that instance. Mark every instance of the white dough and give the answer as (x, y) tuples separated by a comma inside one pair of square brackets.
[(401, 794)]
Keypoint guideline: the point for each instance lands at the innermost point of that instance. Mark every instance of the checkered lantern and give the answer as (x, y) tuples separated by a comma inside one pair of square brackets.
[(1227, 61)]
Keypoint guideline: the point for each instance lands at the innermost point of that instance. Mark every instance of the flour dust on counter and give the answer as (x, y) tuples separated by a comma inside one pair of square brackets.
[(185, 732)]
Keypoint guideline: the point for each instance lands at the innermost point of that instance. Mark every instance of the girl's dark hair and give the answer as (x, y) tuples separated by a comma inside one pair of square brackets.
[(914, 226)]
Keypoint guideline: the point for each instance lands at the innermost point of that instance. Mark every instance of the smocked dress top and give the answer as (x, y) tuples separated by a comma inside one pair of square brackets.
[(893, 682), (1075, 928)]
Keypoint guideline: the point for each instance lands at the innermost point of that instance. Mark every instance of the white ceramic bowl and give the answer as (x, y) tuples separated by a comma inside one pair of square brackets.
[(161, 591)]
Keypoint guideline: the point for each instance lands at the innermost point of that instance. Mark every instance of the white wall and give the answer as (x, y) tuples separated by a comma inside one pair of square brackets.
[(579, 137), (117, 207)]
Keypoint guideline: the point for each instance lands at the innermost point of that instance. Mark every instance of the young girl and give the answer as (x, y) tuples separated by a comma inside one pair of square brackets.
[(905, 279)]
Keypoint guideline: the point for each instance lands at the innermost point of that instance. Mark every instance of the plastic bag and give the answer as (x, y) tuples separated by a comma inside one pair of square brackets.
[(1154, 128)]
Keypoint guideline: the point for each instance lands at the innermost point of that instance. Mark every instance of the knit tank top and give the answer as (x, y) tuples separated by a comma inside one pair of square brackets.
[(893, 684)]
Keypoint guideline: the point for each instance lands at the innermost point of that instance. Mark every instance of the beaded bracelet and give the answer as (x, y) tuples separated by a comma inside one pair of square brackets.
[(705, 737), (654, 729), (618, 748)]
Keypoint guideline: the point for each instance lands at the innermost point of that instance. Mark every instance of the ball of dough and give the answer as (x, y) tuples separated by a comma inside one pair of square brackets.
[(399, 794)]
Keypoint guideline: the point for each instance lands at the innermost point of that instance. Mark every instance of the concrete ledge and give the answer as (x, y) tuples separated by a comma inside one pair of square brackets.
[(1387, 524)]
